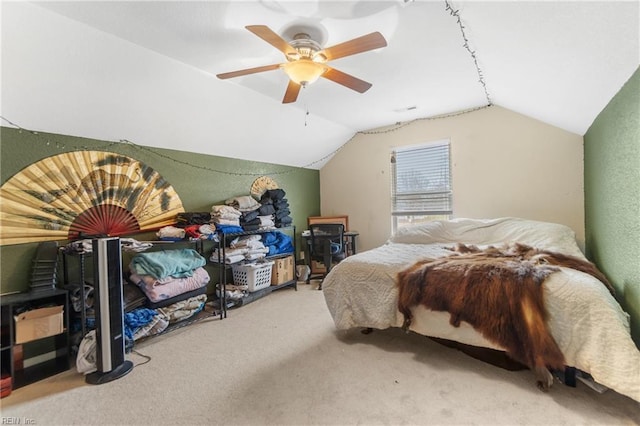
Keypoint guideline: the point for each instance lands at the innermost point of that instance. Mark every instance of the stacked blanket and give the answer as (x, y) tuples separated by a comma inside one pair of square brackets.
[(253, 215), (271, 212), (169, 273), (145, 322), (243, 203), (246, 247), (275, 198), (170, 233), (225, 215)]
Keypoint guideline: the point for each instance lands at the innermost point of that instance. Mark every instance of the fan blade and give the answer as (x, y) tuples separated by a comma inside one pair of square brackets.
[(346, 80), (272, 38), (292, 92), (248, 71), (357, 45)]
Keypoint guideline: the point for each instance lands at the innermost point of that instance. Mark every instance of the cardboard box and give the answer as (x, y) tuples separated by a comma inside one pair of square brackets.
[(318, 267), (39, 323), (283, 270)]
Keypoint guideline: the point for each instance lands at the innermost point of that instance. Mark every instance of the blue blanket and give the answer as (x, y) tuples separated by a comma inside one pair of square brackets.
[(136, 319), (277, 243)]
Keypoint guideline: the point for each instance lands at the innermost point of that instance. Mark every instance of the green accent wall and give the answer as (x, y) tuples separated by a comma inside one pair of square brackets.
[(612, 196), (200, 180)]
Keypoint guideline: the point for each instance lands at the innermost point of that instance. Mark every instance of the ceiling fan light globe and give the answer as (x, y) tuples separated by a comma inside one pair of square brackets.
[(304, 71)]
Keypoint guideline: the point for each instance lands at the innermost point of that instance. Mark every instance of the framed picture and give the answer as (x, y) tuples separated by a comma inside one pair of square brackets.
[(329, 219)]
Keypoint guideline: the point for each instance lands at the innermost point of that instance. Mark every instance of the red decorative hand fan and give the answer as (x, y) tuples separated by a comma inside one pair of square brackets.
[(84, 194)]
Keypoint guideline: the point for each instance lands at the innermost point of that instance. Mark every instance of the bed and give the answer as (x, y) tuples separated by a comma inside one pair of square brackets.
[(584, 318)]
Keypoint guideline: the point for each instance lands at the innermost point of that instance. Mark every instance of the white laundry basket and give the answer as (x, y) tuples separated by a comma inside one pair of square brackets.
[(255, 276)]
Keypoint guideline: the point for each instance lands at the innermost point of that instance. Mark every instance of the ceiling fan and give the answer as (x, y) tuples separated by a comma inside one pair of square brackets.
[(307, 60)]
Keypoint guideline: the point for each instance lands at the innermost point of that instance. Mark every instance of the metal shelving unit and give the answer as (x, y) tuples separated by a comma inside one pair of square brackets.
[(224, 268)]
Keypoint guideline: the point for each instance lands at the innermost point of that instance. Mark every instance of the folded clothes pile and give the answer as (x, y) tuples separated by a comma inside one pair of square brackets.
[(171, 233), (202, 232), (252, 215), (196, 225), (243, 203), (274, 200), (254, 220), (185, 219), (242, 248), (166, 274), (225, 215), (86, 246)]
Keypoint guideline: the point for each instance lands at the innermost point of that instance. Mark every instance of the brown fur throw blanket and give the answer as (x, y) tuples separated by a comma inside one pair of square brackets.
[(499, 292)]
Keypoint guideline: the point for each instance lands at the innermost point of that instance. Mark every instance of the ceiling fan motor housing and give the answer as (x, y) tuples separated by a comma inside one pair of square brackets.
[(306, 48)]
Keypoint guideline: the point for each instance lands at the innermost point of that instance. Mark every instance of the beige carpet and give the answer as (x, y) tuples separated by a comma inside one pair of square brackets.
[(280, 361)]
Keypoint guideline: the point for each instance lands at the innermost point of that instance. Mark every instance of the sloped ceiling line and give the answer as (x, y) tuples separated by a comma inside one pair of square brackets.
[(456, 13), (116, 146), (557, 62), (122, 145), (397, 126), (400, 125), (200, 167)]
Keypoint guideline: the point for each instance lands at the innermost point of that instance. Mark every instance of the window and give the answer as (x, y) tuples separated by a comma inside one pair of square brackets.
[(421, 184)]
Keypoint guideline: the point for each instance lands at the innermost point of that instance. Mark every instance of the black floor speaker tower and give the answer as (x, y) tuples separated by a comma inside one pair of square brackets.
[(107, 272)]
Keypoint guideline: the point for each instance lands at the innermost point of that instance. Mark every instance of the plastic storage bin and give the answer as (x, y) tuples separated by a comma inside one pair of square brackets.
[(255, 276)]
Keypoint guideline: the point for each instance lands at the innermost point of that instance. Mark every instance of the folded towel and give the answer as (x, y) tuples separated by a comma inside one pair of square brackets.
[(243, 203), (219, 209), (165, 263)]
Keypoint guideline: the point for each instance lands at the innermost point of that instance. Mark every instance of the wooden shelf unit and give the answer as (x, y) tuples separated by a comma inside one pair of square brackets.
[(37, 359)]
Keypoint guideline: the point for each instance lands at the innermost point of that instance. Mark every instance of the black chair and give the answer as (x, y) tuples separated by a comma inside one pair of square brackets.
[(326, 246)]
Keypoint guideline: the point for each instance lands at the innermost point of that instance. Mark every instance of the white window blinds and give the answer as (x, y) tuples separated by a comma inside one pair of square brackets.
[(421, 180)]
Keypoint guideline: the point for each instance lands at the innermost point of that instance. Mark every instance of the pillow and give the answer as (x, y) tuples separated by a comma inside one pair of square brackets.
[(543, 235)]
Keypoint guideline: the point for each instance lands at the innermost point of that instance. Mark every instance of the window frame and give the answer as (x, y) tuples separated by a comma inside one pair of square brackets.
[(440, 195)]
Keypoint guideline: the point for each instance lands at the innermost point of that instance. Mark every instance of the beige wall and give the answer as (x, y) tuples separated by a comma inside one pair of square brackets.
[(503, 164)]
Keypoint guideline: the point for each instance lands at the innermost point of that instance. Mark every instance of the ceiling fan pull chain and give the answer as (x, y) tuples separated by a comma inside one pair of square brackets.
[(306, 113), (303, 98)]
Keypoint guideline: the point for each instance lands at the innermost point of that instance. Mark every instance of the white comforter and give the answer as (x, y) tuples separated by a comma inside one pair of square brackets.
[(587, 322)]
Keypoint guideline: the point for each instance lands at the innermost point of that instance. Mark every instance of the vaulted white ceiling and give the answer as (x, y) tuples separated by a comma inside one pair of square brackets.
[(152, 65)]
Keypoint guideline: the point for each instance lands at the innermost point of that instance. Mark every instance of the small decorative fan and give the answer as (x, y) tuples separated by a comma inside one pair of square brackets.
[(261, 185), (83, 194)]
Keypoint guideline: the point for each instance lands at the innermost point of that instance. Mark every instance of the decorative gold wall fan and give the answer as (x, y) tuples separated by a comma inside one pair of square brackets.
[(307, 60), (261, 185), (82, 194)]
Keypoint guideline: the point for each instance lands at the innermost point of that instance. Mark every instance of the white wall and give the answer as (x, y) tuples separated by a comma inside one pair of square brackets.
[(503, 164), (61, 76)]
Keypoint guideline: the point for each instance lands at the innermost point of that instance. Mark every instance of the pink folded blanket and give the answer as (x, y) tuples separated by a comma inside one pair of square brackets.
[(165, 288)]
